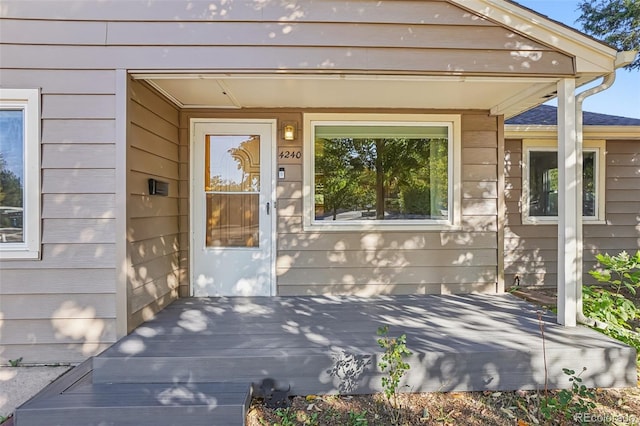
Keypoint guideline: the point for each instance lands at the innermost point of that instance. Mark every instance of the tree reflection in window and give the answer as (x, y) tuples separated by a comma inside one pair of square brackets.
[(381, 177), (11, 175)]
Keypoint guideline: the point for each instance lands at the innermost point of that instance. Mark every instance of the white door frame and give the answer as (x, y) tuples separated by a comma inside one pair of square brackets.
[(271, 197)]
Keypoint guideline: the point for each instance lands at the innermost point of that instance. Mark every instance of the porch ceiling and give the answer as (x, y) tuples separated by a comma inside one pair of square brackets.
[(501, 95)]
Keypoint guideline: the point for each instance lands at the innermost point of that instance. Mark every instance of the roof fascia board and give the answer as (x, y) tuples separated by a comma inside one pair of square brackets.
[(342, 75), (591, 55), (529, 131), (515, 102)]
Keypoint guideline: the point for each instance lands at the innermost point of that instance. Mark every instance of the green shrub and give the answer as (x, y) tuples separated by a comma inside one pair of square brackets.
[(621, 271), (607, 303)]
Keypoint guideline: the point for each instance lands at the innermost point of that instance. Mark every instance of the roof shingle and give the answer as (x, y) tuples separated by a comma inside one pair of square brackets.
[(547, 115)]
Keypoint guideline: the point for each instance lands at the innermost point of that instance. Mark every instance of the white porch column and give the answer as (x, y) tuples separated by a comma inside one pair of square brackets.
[(569, 213)]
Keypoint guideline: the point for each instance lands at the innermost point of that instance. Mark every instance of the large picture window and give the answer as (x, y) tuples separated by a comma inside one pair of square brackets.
[(19, 173), (380, 173), (540, 182)]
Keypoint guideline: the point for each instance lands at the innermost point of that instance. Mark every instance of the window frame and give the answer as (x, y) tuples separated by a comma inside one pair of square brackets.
[(451, 121), (29, 101), (537, 145)]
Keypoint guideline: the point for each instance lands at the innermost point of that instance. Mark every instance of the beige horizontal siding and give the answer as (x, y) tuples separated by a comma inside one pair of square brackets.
[(55, 281), (78, 131), (316, 34), (78, 206), (145, 161), (159, 266), (303, 58), (49, 306), (387, 289), (162, 147), (477, 224), (89, 106), (377, 276), (430, 12), (479, 190), (263, 33), (78, 156), (78, 231), (479, 207), (160, 246), (153, 221), (385, 258), (78, 181), (155, 294), (386, 240), (68, 81), (90, 332), (140, 207), (25, 31), (484, 156), (74, 282), (62, 256), (531, 250)]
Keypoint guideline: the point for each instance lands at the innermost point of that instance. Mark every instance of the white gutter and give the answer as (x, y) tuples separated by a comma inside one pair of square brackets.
[(622, 59)]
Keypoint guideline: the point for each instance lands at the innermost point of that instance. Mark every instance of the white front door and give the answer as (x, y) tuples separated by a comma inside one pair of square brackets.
[(232, 208)]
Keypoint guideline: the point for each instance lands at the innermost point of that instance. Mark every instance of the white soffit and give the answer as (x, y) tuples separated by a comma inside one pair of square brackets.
[(340, 91)]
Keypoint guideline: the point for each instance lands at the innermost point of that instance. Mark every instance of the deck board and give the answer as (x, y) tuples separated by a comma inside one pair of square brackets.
[(456, 340), (199, 354)]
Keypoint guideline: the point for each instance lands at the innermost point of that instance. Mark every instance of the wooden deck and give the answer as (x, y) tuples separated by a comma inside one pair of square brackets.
[(196, 347)]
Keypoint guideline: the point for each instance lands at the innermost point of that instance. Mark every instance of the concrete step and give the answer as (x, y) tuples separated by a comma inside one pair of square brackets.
[(140, 404)]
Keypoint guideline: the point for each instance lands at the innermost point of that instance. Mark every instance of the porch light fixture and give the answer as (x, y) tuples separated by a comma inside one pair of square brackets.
[(289, 132)]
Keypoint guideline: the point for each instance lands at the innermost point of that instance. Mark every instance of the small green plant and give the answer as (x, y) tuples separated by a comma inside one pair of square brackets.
[(331, 414), (620, 271), (444, 417), (393, 363), (310, 419), (568, 402), (287, 417), (357, 419), (15, 362)]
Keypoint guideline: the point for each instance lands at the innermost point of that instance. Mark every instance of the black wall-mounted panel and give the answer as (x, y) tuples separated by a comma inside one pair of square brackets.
[(157, 187)]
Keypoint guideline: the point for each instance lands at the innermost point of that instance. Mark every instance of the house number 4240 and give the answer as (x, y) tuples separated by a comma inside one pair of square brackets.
[(291, 154)]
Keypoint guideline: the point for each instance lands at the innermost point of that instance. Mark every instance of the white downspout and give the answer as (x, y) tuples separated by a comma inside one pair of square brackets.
[(622, 59)]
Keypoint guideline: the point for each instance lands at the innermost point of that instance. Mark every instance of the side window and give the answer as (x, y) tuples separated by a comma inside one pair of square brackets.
[(19, 174), (540, 182)]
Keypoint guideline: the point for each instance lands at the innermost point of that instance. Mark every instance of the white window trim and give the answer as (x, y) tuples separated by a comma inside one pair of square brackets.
[(452, 121), (538, 145), (29, 101)]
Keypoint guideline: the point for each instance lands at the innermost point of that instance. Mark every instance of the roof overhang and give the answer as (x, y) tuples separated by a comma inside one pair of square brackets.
[(501, 94)]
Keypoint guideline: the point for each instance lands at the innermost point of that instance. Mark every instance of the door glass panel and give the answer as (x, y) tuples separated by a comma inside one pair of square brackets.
[(232, 186), (232, 163)]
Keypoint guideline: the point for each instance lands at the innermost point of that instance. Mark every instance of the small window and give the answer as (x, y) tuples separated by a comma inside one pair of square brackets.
[(379, 173), (19, 173), (540, 182)]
